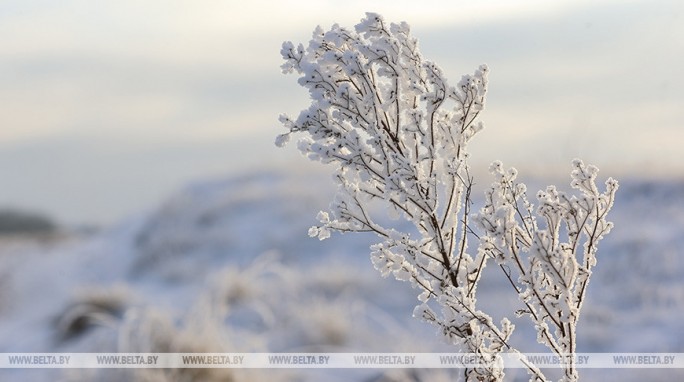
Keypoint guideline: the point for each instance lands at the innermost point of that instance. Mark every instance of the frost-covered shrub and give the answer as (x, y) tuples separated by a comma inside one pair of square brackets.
[(397, 135), (93, 306)]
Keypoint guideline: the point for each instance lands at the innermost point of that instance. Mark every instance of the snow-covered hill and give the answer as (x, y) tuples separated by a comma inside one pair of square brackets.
[(226, 266)]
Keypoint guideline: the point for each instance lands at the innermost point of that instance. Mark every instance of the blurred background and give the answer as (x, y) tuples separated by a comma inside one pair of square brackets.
[(145, 208), (106, 107)]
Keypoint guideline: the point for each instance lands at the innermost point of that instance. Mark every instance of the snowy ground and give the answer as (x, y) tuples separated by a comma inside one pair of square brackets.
[(226, 266)]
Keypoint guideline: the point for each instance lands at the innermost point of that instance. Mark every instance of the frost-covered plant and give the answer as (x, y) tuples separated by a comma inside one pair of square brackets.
[(397, 134)]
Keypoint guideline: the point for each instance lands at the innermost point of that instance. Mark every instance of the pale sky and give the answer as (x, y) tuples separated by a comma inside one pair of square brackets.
[(106, 107)]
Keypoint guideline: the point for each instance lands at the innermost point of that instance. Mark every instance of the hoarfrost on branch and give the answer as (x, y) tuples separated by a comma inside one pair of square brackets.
[(397, 134)]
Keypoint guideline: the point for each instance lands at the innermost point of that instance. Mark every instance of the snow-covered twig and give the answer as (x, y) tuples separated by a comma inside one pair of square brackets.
[(397, 133)]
